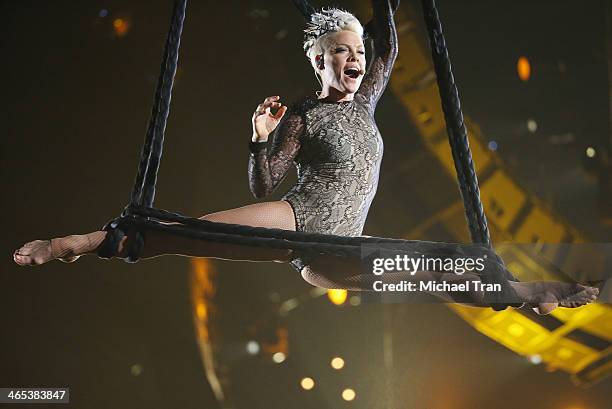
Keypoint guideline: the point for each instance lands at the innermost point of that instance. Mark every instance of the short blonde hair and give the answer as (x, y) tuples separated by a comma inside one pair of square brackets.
[(322, 24)]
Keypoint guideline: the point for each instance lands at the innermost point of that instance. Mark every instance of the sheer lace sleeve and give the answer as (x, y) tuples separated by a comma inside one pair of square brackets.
[(384, 36), (268, 167)]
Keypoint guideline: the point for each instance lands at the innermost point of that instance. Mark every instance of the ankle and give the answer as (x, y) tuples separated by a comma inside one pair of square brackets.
[(76, 244), (63, 247)]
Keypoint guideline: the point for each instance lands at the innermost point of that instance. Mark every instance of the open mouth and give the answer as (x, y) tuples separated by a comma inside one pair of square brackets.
[(352, 72)]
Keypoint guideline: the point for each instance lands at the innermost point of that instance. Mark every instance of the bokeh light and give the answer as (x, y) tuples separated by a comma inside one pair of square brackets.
[(252, 347), (535, 359), (348, 394), (532, 125), (337, 363), (355, 300), (136, 369), (121, 26), (523, 68), (307, 383), (337, 297), (279, 357), (590, 152)]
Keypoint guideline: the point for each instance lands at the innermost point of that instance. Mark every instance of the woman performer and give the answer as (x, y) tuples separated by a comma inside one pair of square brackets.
[(337, 149)]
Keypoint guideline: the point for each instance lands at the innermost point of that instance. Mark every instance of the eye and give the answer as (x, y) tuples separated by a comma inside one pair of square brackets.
[(339, 50), (361, 52)]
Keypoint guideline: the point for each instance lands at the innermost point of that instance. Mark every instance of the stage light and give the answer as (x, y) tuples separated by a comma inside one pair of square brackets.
[(120, 26), (535, 359), (532, 125), (307, 383), (355, 300), (337, 297), (348, 394), (252, 347), (337, 363), (523, 68), (103, 13), (492, 145), (590, 152), (279, 357)]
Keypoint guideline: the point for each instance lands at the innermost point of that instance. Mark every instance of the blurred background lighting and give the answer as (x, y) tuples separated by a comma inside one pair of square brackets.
[(348, 394), (532, 125), (337, 297), (279, 357), (523, 68), (136, 369), (120, 26), (492, 146), (535, 359), (307, 383), (252, 347), (337, 363), (103, 13), (590, 152), (355, 300)]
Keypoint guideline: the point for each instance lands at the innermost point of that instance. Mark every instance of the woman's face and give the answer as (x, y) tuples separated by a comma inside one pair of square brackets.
[(344, 62)]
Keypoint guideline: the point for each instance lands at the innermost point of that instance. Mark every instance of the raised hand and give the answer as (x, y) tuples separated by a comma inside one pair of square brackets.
[(264, 122)]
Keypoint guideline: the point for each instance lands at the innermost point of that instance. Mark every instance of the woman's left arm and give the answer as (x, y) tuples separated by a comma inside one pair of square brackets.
[(384, 35)]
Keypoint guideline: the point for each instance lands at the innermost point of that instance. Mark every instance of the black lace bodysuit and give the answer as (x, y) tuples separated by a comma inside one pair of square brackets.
[(335, 146)]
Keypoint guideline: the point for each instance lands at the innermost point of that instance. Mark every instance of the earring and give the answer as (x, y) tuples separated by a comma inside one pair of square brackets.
[(319, 61)]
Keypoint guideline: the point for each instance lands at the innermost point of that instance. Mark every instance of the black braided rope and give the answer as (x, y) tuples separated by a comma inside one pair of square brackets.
[(143, 192), (288, 235), (305, 244), (455, 126), (458, 139)]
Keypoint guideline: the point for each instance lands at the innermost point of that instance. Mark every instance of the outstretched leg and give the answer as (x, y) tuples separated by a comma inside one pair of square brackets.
[(277, 215)]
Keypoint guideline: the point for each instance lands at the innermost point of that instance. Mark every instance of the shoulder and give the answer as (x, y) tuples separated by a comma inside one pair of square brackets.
[(301, 105)]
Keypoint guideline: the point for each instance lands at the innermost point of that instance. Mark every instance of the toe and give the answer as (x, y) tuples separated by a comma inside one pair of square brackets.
[(21, 260), (23, 251)]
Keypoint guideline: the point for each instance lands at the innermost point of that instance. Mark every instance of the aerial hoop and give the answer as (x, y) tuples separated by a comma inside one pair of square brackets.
[(139, 214)]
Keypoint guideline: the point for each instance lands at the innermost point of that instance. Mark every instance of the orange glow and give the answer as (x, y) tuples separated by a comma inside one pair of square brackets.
[(202, 293), (523, 68), (120, 26)]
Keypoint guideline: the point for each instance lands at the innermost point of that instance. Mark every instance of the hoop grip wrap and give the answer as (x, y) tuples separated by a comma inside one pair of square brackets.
[(117, 229)]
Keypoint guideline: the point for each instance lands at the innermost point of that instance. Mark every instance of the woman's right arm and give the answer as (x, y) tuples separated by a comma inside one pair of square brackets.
[(268, 167)]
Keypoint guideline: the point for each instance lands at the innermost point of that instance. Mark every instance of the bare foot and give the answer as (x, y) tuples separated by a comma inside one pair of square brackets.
[(545, 296), (42, 251)]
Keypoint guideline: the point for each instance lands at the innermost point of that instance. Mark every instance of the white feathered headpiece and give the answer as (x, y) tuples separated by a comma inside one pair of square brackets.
[(328, 21)]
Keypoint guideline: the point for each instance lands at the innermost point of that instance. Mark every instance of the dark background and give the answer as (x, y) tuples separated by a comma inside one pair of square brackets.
[(75, 102)]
